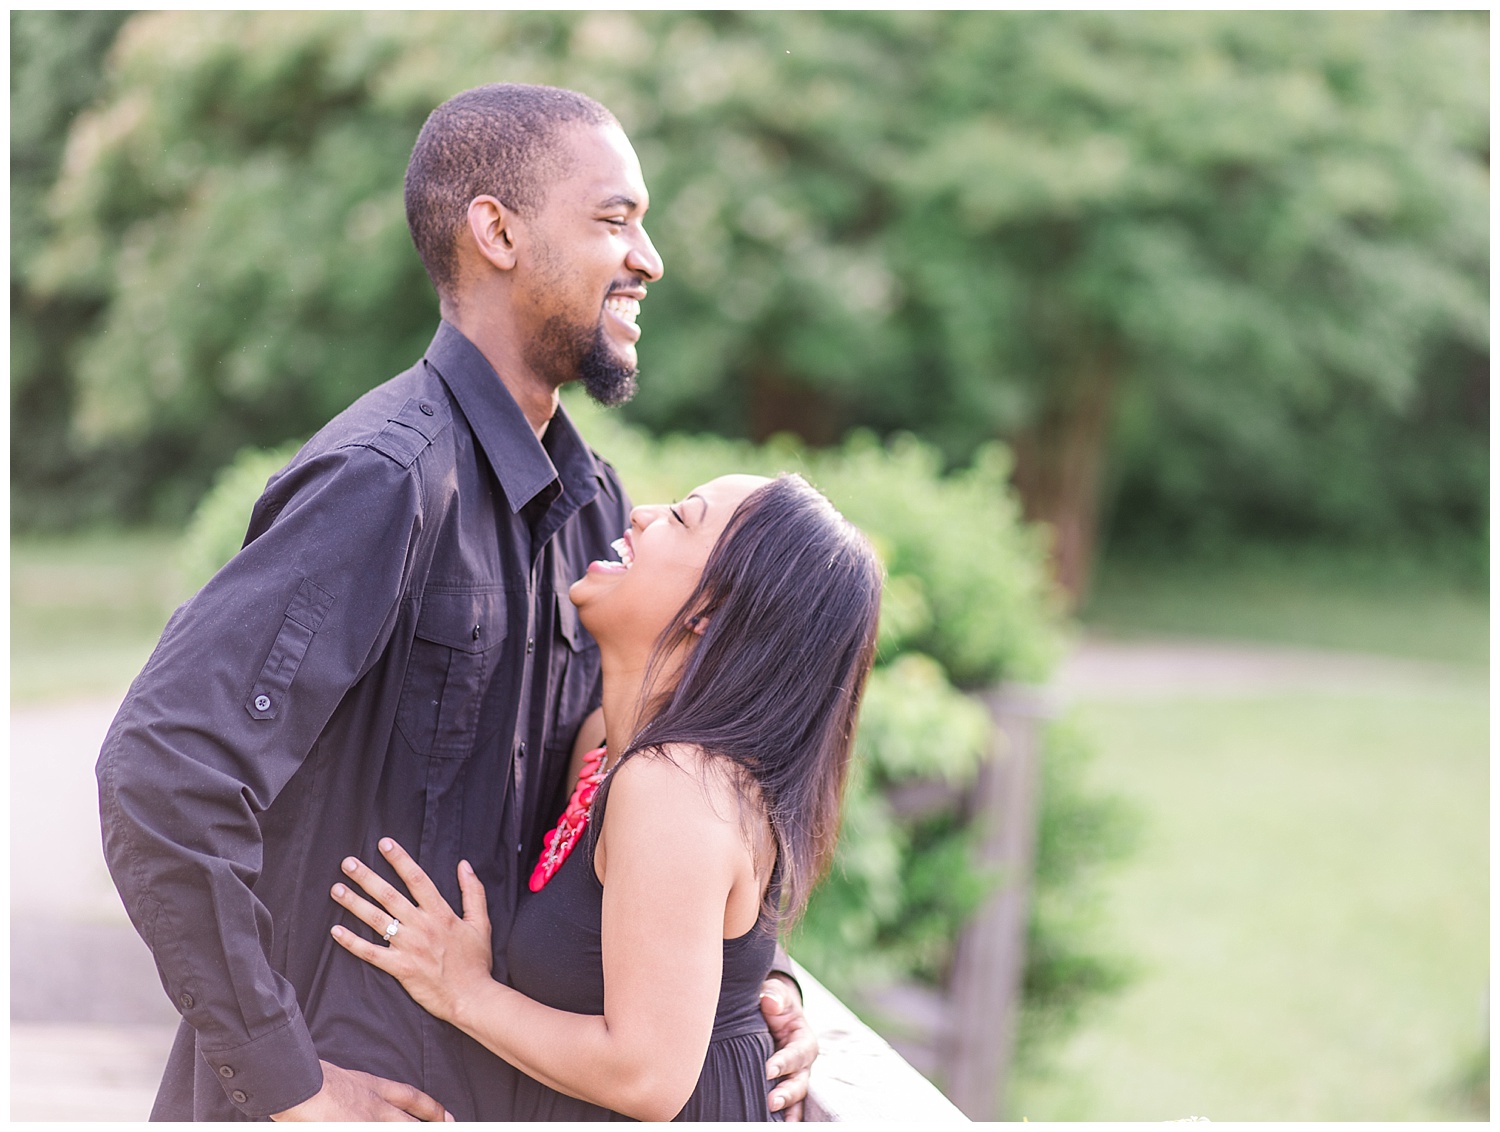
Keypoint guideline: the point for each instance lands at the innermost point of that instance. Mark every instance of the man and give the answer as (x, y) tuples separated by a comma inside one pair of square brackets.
[(393, 651)]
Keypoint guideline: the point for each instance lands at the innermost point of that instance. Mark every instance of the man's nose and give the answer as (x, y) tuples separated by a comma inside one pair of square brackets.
[(644, 259)]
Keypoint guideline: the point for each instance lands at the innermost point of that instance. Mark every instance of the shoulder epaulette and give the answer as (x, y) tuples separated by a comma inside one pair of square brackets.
[(410, 430)]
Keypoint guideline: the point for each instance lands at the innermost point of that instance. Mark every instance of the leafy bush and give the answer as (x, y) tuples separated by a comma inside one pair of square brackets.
[(217, 529), (1078, 833), (967, 604)]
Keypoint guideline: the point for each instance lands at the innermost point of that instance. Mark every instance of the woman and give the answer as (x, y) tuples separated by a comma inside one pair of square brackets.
[(735, 635)]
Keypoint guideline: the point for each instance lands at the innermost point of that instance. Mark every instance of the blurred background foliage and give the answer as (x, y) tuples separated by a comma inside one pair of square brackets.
[(967, 603), (1211, 275), (1179, 288)]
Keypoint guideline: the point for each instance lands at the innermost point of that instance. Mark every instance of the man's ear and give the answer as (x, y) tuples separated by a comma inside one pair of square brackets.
[(493, 228)]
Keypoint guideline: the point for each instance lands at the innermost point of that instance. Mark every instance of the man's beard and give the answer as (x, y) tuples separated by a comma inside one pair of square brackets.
[(568, 353), (605, 378)]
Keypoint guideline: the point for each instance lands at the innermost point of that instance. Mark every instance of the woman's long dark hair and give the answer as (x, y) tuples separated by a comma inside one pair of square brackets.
[(791, 594)]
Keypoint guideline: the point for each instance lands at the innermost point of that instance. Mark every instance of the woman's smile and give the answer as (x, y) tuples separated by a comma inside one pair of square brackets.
[(621, 546), (661, 557)]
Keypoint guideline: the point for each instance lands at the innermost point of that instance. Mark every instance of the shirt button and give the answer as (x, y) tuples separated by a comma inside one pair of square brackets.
[(262, 703), (426, 409), (530, 645), (522, 751), (476, 632), (226, 1071), (186, 1001), (239, 1096)]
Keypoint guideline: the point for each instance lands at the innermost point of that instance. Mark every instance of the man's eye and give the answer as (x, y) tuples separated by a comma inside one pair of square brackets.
[(616, 221)]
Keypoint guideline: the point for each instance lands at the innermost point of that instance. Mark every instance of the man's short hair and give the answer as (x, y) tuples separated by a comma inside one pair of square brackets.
[(500, 140)]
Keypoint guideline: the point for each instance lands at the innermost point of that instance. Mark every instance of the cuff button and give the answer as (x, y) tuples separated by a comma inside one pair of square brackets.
[(239, 1096)]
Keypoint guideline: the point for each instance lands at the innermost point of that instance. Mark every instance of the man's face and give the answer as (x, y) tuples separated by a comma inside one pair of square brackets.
[(589, 262)]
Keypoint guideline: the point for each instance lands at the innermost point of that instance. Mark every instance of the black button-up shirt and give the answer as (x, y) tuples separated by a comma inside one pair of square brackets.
[(392, 653)]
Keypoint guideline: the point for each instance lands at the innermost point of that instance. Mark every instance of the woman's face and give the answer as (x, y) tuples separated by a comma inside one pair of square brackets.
[(662, 557)]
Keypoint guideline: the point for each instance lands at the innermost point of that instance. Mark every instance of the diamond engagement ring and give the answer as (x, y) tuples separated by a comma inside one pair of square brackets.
[(391, 930)]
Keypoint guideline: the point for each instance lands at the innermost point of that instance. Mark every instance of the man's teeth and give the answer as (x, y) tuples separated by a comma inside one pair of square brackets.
[(627, 309), (622, 548)]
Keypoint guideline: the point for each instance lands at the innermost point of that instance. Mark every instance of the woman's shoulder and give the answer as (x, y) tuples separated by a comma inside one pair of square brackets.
[(669, 803), (690, 783), (683, 772)]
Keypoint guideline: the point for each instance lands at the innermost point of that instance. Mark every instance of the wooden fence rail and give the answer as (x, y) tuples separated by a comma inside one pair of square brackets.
[(963, 1034)]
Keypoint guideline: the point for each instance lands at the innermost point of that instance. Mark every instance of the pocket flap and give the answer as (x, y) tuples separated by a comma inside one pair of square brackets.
[(468, 622)]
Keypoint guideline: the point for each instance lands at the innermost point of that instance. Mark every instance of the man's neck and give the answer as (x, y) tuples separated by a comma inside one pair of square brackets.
[(502, 348)]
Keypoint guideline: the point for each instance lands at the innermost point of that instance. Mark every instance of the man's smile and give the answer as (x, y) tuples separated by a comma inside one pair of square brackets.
[(624, 304), (623, 308)]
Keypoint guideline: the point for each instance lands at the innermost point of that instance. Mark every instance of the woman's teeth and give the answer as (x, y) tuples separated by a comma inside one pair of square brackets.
[(622, 548)]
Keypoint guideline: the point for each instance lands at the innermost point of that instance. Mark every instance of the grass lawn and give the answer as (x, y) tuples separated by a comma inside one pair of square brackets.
[(1309, 912), (1361, 603), (86, 611)]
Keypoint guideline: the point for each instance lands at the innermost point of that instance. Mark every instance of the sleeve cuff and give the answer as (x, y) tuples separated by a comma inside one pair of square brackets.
[(781, 964), (271, 1073)]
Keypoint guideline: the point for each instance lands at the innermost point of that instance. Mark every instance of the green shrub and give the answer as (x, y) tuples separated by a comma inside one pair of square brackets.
[(1078, 833), (967, 605), (216, 531)]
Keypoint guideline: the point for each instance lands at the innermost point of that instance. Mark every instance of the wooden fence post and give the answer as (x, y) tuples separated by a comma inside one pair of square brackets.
[(985, 990)]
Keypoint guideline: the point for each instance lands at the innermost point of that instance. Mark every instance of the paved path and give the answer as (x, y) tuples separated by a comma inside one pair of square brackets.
[(90, 1026), (1101, 668)]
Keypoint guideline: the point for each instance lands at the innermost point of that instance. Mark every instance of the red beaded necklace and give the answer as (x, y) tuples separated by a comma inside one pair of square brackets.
[(559, 842)]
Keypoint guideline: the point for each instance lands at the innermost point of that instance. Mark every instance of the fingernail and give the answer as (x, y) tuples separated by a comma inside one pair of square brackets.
[(467, 868), (773, 1070), (338, 932), (777, 1104), (339, 890), (386, 844), (350, 864)]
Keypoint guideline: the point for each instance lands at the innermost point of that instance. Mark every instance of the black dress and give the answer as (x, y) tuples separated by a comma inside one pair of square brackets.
[(555, 957)]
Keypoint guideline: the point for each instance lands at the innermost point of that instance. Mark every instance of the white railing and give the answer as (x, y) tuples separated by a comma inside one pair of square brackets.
[(858, 1076)]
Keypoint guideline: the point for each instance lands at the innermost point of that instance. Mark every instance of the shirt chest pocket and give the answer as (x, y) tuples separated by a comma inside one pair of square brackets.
[(457, 641)]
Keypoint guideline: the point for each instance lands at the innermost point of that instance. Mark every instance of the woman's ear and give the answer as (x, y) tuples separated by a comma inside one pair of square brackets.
[(698, 623), (493, 228)]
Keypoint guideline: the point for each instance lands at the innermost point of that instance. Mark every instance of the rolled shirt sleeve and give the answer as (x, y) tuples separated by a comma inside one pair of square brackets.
[(246, 676)]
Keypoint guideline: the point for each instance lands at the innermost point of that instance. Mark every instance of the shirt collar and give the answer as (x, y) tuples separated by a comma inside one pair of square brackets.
[(520, 463)]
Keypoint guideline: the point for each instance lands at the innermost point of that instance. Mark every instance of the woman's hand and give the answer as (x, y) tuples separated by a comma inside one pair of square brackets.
[(438, 957)]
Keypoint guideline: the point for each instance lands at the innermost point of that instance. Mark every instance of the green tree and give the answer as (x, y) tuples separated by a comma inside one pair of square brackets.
[(54, 73), (1236, 225), (979, 224)]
